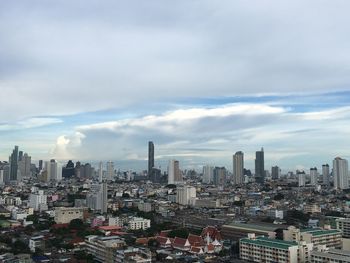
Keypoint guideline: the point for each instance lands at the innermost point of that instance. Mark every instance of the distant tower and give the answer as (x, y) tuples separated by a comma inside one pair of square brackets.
[(150, 157), (260, 167), (238, 168), (340, 173), (325, 174), (104, 197), (100, 172), (301, 178), (208, 174), (275, 172), (13, 160), (174, 173), (313, 176), (110, 171)]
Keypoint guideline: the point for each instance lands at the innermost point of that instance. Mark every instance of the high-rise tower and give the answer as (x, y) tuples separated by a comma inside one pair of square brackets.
[(260, 167), (150, 157), (238, 168), (13, 160), (340, 173)]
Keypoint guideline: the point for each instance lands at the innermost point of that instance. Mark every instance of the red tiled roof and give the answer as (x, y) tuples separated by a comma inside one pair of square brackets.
[(179, 242), (109, 228), (195, 240), (164, 233)]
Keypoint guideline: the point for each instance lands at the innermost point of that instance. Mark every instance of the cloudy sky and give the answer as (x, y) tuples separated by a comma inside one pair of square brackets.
[(95, 80)]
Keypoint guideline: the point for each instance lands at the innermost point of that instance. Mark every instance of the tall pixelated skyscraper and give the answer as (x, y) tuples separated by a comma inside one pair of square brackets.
[(260, 167), (150, 157)]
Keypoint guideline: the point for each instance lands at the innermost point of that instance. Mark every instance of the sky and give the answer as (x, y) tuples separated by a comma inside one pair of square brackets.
[(96, 80)]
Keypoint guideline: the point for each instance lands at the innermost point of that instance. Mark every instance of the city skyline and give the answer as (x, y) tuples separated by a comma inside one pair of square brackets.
[(200, 86)]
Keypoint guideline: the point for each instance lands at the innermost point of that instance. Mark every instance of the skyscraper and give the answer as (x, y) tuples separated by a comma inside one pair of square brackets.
[(174, 173), (313, 176), (238, 168), (301, 178), (24, 165), (104, 200), (13, 160), (150, 157), (100, 172), (325, 174), (110, 171), (208, 174), (340, 173), (275, 172), (260, 167), (220, 176)]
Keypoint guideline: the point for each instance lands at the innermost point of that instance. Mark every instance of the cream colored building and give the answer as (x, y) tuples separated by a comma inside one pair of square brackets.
[(63, 215)]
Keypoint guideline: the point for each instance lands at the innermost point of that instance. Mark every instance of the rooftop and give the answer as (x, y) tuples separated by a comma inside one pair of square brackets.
[(267, 242)]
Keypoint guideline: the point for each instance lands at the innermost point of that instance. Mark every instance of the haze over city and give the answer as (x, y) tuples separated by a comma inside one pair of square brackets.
[(89, 81)]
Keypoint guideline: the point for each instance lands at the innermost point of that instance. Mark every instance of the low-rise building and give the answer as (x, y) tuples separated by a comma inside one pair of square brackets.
[(104, 249), (137, 223), (133, 255), (63, 215), (343, 224), (330, 256), (263, 249)]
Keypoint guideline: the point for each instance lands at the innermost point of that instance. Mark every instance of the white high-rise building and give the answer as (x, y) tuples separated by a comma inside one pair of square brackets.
[(100, 172), (174, 173), (313, 176), (110, 171), (208, 174), (54, 170), (186, 195), (340, 173), (238, 168), (38, 200), (301, 178), (325, 174)]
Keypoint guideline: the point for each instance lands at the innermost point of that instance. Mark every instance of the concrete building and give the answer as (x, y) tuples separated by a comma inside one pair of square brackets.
[(238, 168), (150, 157), (24, 165), (100, 172), (260, 167), (220, 176), (331, 238), (36, 242), (38, 201), (208, 174), (186, 195), (343, 224), (13, 162), (137, 223), (313, 176), (110, 171), (301, 178), (174, 173), (275, 172), (133, 255), (330, 256), (340, 173), (104, 249), (325, 174), (263, 249), (63, 215), (54, 170)]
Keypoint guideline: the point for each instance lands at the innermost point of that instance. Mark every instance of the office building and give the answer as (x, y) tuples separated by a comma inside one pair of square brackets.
[(260, 167), (54, 170), (275, 172), (325, 174), (186, 195), (238, 168), (340, 173), (104, 197), (313, 176), (174, 173), (208, 174), (150, 157)]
